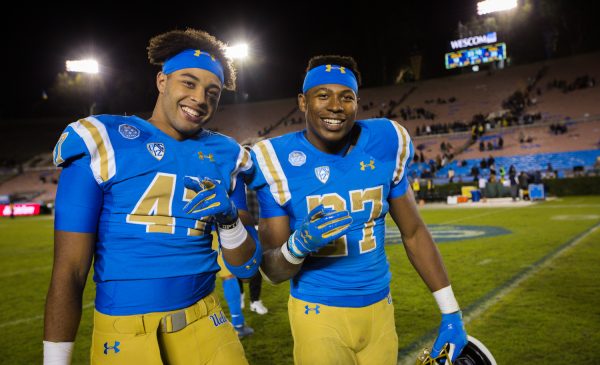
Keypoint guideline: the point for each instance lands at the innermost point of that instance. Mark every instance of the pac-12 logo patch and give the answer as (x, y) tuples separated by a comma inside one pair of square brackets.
[(297, 158), (157, 150), (322, 173), (129, 131)]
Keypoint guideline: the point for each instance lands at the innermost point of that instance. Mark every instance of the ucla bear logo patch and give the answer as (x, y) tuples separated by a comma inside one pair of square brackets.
[(114, 347), (129, 131), (297, 158), (157, 150), (322, 173)]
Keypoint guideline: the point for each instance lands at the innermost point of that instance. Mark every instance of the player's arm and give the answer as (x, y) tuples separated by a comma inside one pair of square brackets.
[(418, 243), (273, 233), (426, 259), (78, 203), (73, 254)]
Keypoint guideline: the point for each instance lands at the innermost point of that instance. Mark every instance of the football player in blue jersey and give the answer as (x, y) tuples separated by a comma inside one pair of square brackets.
[(128, 199), (324, 193)]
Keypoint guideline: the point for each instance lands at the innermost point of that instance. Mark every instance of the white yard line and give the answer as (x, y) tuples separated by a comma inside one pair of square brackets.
[(19, 272), (34, 318), (476, 216), (494, 297)]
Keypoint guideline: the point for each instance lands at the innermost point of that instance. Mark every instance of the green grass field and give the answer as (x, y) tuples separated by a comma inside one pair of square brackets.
[(531, 295)]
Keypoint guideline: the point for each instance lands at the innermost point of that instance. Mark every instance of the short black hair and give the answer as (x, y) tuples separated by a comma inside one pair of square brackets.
[(344, 61), (167, 45)]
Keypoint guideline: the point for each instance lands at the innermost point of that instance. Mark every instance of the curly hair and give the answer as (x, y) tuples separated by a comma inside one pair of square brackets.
[(167, 45), (344, 61)]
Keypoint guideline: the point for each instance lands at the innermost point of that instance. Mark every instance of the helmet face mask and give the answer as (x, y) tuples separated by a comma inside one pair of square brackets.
[(474, 353)]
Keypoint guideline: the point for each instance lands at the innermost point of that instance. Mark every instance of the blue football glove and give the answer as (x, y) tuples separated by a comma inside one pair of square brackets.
[(212, 200), (451, 332), (319, 228)]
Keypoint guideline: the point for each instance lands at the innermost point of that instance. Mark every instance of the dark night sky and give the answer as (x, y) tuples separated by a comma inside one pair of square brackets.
[(380, 36)]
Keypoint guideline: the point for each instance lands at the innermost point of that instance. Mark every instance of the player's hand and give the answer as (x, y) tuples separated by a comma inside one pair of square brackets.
[(320, 227), (212, 200), (451, 332)]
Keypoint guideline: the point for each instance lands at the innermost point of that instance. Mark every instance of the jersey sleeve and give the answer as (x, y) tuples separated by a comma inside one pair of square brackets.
[(78, 199), (268, 207), (239, 194), (269, 175), (404, 152), (243, 168), (87, 137)]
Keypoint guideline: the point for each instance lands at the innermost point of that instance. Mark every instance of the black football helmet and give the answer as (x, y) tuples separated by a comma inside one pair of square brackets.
[(474, 353)]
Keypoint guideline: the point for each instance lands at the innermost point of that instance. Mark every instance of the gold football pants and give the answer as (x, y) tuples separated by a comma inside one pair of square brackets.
[(325, 335), (198, 334)]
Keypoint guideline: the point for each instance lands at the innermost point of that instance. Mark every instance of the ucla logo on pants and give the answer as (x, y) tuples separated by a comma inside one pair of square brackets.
[(114, 347), (218, 318)]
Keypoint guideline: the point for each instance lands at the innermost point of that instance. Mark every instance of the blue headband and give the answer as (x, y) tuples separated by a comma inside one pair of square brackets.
[(330, 74), (194, 58)]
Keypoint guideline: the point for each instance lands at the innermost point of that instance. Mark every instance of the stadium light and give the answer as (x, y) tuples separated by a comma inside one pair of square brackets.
[(237, 52), (86, 66), (492, 6)]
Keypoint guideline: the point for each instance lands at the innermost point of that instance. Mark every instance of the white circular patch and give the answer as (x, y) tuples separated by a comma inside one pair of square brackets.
[(575, 217), (129, 131), (297, 158)]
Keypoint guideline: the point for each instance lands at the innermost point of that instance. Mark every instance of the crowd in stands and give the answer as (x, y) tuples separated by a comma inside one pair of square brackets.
[(495, 144), (441, 101), (387, 109), (408, 113), (581, 82), (441, 128), (285, 120), (558, 128)]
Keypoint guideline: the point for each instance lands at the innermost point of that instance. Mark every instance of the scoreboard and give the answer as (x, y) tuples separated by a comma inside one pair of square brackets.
[(475, 56)]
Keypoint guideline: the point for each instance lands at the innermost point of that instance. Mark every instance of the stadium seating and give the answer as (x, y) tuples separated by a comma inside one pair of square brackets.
[(451, 99)]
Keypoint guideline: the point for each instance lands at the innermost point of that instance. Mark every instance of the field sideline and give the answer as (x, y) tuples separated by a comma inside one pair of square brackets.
[(524, 276)]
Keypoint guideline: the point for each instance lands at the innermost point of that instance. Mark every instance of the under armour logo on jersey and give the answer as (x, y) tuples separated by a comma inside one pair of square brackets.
[(322, 173), (157, 150), (328, 68), (308, 309), (114, 347), (129, 131), (364, 165), (209, 157), (218, 318)]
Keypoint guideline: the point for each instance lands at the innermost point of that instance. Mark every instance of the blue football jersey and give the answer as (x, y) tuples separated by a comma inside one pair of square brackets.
[(149, 255), (293, 177)]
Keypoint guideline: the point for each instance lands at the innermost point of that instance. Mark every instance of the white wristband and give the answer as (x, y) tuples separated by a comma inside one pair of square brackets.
[(58, 353), (446, 300), (288, 256), (233, 237)]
